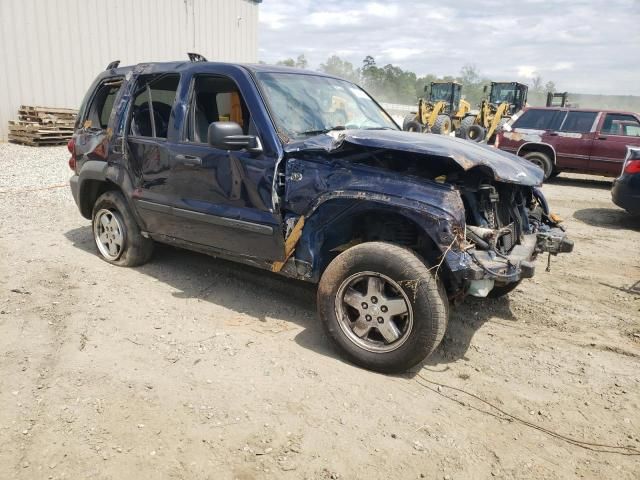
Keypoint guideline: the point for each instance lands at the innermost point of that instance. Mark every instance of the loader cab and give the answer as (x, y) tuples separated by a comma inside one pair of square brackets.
[(513, 93), (448, 92)]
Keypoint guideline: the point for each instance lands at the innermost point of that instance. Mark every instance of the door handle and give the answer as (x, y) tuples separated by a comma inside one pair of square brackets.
[(189, 160), (553, 134), (602, 137)]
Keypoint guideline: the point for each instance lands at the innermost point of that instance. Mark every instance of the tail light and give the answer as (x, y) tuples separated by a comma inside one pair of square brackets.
[(497, 142), (71, 146), (632, 166)]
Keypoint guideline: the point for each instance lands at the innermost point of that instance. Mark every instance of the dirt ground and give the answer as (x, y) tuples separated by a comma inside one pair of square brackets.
[(195, 368)]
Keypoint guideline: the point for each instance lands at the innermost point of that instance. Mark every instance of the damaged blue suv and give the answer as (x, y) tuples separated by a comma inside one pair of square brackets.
[(304, 174)]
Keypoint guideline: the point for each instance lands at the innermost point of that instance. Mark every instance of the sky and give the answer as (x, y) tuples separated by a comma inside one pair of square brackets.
[(582, 46)]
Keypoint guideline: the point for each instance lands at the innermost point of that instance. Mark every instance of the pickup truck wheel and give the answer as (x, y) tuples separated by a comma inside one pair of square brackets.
[(382, 306), (502, 290), (117, 234), (541, 160)]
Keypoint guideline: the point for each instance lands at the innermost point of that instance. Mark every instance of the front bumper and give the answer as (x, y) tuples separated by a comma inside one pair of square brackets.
[(519, 263)]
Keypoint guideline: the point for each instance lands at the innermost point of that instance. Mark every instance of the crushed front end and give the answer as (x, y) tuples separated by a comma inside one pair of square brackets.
[(507, 227)]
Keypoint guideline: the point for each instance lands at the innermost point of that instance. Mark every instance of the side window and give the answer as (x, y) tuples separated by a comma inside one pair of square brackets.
[(579, 122), (215, 99), (536, 119), (152, 104), (619, 124), (101, 106)]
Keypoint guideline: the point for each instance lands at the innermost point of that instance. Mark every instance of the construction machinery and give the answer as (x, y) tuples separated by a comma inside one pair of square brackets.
[(557, 99), (504, 100), (440, 111)]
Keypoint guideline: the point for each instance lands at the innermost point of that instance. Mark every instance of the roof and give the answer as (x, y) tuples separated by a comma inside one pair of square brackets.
[(179, 66)]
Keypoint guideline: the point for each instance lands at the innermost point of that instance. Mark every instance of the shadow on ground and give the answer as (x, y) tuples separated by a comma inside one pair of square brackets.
[(608, 218), (261, 294), (598, 182)]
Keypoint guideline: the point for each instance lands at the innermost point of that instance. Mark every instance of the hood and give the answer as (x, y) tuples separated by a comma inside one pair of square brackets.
[(464, 154)]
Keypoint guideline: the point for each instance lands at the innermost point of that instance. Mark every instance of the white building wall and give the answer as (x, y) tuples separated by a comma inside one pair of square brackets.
[(51, 50)]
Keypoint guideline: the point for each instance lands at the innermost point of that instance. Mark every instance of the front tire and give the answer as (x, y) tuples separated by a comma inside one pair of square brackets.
[(116, 232), (442, 125), (382, 306)]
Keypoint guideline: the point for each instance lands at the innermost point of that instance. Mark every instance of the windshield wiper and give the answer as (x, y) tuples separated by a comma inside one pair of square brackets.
[(324, 130)]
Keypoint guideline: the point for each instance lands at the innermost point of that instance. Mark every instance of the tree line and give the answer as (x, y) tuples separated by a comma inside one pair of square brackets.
[(392, 84)]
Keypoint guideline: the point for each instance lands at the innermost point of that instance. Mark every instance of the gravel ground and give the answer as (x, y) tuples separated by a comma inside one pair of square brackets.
[(191, 367)]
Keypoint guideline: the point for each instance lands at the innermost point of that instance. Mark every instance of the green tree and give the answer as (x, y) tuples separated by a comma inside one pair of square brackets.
[(550, 87), (340, 68), (289, 62)]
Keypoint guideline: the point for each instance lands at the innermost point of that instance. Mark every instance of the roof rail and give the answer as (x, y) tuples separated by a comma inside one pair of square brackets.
[(113, 65), (196, 57)]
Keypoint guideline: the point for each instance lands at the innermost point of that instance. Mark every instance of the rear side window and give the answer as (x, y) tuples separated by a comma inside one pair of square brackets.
[(538, 119), (579, 122), (99, 111), (619, 124), (152, 105)]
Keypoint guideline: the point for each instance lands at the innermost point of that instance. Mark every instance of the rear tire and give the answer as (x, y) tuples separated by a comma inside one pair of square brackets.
[(358, 294), (116, 232), (542, 160), (442, 125), (502, 290)]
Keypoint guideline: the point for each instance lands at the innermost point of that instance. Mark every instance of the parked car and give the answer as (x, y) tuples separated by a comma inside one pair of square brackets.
[(306, 175), (626, 188), (572, 140)]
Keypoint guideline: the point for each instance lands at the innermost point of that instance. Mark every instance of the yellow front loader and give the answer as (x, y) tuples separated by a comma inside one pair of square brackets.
[(504, 100), (440, 111)]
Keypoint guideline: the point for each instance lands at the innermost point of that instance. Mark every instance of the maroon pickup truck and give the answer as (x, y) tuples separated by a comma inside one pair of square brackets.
[(570, 139)]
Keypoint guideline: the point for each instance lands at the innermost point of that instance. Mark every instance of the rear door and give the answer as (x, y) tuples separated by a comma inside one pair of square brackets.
[(617, 130), (574, 139), (150, 113)]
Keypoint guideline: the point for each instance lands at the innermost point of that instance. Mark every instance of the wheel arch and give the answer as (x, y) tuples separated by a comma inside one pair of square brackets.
[(341, 223), (541, 147)]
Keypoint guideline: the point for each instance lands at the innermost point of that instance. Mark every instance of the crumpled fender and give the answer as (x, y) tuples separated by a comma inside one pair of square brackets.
[(322, 190)]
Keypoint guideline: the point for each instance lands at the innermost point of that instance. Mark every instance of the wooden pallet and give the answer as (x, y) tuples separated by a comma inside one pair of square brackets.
[(39, 126)]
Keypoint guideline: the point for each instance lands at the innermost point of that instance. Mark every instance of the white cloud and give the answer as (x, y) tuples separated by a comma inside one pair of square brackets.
[(400, 53), (527, 71), (382, 10), (560, 66), (272, 20), (323, 19)]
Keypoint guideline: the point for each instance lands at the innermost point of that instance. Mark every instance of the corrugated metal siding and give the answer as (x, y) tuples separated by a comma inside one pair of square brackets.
[(51, 50)]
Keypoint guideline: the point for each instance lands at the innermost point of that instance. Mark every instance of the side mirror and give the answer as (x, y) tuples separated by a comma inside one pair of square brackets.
[(485, 88), (229, 136)]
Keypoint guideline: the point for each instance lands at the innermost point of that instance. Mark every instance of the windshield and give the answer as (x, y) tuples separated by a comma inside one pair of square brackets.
[(505, 92), (305, 105), (441, 91)]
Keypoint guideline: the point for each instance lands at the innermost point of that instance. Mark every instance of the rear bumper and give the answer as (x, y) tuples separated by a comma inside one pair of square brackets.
[(625, 193), (74, 183), (519, 264)]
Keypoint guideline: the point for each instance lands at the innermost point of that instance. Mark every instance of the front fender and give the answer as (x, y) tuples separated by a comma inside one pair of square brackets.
[(327, 193)]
